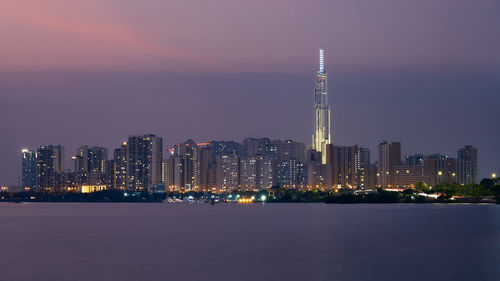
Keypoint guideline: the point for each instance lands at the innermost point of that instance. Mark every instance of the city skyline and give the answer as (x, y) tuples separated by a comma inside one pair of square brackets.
[(250, 140), (254, 164), (93, 73)]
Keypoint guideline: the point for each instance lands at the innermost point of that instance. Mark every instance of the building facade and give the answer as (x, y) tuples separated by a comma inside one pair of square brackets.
[(228, 172), (50, 165), (144, 161), (322, 123), (28, 166), (389, 155), (466, 165)]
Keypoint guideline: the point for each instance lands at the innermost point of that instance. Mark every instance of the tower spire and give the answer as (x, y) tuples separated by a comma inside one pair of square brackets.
[(321, 60)]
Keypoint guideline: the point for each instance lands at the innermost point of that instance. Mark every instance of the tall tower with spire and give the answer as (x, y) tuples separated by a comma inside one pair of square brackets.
[(321, 136)]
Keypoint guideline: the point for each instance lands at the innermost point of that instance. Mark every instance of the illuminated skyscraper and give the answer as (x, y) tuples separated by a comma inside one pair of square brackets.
[(50, 164), (144, 161), (94, 159), (118, 175), (28, 169), (190, 172), (227, 172), (321, 136)]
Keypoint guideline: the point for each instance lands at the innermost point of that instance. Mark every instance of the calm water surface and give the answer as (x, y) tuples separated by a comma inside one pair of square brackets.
[(108, 241)]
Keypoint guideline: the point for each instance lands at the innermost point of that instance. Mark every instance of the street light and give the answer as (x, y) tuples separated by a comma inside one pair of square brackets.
[(493, 176)]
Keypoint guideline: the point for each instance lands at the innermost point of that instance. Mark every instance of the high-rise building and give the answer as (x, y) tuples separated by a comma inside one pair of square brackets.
[(409, 175), (416, 159), (90, 166), (227, 172), (289, 149), (466, 165), (164, 171), (144, 161), (248, 172), (224, 148), (189, 155), (118, 175), (291, 159), (389, 155), (97, 158), (267, 172), (362, 163), (259, 147), (189, 163), (440, 168), (110, 174), (372, 176), (28, 169), (50, 164), (350, 166), (412, 171), (319, 176), (175, 173), (322, 135), (204, 167), (291, 173)]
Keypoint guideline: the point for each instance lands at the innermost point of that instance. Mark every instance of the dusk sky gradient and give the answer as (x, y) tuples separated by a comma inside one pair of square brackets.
[(426, 73)]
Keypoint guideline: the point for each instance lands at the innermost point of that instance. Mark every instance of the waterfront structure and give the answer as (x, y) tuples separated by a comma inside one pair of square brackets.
[(389, 155), (466, 165), (28, 166), (50, 164), (138, 165), (322, 135)]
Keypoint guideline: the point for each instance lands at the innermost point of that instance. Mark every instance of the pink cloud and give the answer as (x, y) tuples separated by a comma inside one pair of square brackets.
[(69, 33)]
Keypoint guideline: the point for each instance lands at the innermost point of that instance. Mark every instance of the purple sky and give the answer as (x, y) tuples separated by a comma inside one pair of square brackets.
[(425, 73)]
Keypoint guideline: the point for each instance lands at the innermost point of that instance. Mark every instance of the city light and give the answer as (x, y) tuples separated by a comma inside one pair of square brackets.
[(245, 200)]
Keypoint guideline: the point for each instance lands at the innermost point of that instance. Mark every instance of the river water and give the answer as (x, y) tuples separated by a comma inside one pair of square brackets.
[(159, 241)]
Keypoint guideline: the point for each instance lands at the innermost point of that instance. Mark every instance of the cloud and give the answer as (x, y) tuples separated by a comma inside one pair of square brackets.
[(61, 34)]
